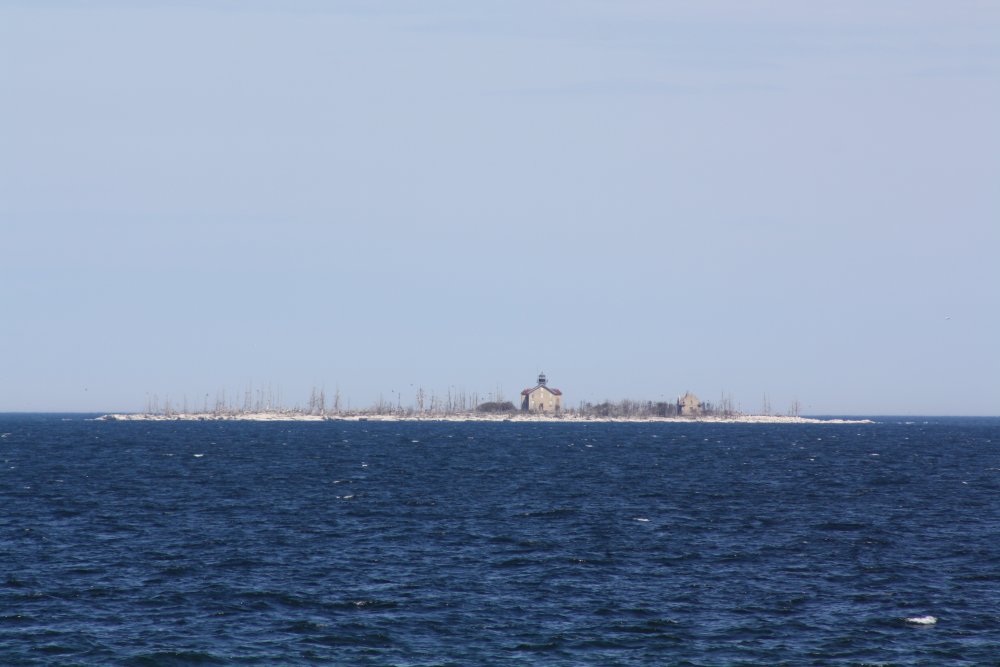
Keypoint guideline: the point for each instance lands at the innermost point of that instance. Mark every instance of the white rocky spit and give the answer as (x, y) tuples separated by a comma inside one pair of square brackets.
[(470, 417)]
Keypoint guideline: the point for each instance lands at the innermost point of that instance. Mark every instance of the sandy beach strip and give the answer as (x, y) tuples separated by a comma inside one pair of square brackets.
[(472, 417)]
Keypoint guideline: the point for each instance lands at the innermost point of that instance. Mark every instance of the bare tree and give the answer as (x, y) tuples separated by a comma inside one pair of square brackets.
[(795, 408)]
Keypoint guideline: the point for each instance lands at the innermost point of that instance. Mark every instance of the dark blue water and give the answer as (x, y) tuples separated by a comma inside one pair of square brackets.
[(489, 544)]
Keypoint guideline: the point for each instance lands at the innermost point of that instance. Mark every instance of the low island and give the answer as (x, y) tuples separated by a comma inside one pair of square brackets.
[(539, 403), (291, 415)]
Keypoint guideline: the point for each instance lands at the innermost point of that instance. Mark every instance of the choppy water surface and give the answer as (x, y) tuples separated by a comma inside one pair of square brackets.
[(486, 544)]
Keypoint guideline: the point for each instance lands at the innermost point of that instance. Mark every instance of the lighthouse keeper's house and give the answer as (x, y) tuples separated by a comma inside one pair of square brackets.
[(541, 398)]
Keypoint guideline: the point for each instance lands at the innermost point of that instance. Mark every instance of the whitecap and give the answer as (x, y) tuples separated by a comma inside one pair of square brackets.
[(640, 518), (198, 456), (922, 620)]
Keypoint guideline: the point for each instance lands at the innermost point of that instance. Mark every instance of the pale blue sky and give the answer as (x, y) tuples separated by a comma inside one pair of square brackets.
[(639, 198)]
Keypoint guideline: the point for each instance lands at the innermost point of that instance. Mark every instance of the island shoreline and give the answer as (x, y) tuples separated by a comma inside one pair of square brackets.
[(472, 418)]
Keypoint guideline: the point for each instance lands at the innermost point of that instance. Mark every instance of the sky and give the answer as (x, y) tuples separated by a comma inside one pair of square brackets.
[(750, 198)]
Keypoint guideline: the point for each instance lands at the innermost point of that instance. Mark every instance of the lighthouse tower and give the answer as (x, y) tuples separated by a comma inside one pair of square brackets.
[(541, 398)]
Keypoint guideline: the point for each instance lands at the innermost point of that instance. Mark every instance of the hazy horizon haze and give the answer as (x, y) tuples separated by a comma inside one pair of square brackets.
[(637, 198)]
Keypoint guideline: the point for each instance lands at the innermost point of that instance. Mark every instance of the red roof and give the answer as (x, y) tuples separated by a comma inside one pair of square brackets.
[(531, 389)]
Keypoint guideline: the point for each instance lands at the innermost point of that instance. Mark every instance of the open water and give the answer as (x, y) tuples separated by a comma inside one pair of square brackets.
[(498, 544)]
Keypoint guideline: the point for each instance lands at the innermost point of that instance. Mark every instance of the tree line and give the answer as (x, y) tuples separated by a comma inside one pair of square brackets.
[(452, 402)]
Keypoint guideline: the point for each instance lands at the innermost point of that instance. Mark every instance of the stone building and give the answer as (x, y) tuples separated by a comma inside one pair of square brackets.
[(541, 398), (688, 405)]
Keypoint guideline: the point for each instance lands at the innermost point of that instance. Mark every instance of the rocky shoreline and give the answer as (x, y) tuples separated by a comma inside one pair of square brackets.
[(472, 417)]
